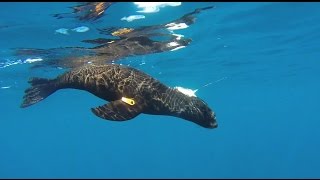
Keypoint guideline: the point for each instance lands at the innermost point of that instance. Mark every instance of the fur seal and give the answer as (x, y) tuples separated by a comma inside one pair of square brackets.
[(117, 84)]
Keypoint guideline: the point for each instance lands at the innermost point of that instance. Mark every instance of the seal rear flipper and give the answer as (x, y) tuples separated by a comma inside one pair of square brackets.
[(39, 90), (117, 111)]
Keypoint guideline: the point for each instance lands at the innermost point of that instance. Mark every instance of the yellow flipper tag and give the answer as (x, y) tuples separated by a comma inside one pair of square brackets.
[(128, 101)]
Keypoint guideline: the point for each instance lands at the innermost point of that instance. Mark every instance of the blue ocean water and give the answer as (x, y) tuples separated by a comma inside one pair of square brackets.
[(261, 61)]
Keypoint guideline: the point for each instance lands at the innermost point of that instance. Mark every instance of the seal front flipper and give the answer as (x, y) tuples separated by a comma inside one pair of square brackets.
[(117, 111)]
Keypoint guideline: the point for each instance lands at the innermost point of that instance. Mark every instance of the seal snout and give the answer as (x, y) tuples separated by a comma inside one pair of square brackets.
[(214, 123)]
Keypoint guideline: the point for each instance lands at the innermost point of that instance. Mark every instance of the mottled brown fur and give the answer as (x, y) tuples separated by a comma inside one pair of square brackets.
[(111, 82)]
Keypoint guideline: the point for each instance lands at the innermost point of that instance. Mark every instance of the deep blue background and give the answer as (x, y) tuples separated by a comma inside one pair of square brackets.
[(267, 106)]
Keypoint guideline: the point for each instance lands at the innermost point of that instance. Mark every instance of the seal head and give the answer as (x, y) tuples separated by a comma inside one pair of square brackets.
[(198, 111)]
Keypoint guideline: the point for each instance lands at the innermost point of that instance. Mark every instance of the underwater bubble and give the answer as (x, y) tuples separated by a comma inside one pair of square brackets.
[(173, 43), (29, 60), (152, 7), (174, 26), (180, 47), (62, 31), (132, 18), (5, 87), (178, 36), (81, 29)]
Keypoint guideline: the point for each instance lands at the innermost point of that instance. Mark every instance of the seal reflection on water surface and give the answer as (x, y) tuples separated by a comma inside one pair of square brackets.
[(129, 91)]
